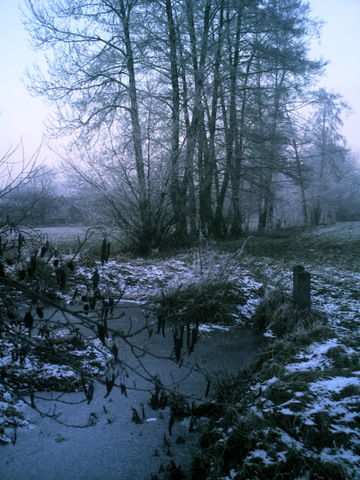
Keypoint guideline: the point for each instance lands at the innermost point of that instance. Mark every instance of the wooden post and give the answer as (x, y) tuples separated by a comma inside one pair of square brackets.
[(301, 287), (296, 272)]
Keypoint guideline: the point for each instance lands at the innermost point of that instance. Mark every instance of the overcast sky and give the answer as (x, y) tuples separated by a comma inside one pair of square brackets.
[(23, 116)]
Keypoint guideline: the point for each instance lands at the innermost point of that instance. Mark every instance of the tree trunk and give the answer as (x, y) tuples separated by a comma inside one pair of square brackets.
[(205, 169), (187, 187), (301, 184), (145, 235), (177, 200)]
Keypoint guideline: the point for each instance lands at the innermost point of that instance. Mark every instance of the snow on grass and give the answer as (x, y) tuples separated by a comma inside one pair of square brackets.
[(327, 372), (334, 384), (210, 328), (326, 391), (260, 454), (141, 280), (313, 357)]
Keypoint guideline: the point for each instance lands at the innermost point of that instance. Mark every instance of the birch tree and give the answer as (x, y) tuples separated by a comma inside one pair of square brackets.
[(327, 155), (94, 52), (176, 109), (283, 72)]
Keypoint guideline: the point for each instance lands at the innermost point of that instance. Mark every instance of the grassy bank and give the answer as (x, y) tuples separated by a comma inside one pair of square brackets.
[(295, 412)]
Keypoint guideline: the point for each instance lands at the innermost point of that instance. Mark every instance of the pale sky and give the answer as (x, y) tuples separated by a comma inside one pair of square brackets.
[(340, 44), (23, 116)]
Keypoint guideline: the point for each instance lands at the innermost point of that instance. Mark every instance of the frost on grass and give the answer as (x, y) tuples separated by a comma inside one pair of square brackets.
[(57, 362), (294, 413)]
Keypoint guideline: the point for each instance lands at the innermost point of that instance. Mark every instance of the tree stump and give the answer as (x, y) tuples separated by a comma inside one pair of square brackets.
[(301, 287)]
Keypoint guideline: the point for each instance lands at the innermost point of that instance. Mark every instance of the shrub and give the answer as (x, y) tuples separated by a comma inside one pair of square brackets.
[(276, 313), (202, 302)]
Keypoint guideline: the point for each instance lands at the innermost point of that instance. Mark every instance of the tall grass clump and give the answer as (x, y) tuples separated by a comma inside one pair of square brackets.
[(211, 294), (277, 314)]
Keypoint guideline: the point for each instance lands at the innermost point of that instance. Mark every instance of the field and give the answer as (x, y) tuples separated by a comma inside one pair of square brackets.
[(294, 412), (69, 238)]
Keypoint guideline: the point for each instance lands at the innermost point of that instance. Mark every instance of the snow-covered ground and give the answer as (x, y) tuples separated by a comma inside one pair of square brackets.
[(321, 379), (311, 406)]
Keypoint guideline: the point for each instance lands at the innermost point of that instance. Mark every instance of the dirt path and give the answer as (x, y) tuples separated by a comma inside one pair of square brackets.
[(115, 447)]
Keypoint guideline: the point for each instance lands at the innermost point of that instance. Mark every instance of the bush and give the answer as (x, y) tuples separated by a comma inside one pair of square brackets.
[(202, 302), (45, 343), (277, 314)]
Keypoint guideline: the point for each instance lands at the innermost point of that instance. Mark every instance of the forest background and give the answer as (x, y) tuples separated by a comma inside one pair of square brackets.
[(184, 119)]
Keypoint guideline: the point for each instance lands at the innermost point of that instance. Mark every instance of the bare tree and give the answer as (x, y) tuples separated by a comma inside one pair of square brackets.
[(327, 155), (93, 70), (284, 72), (17, 173), (178, 109)]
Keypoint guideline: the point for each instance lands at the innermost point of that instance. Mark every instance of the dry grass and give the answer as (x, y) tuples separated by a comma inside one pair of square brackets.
[(201, 302), (276, 313)]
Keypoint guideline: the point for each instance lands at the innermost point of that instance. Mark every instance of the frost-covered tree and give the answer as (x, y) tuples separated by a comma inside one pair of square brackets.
[(177, 109), (328, 156), (95, 52)]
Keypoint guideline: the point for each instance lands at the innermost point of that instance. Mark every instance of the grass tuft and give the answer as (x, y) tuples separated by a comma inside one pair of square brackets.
[(276, 313), (202, 302)]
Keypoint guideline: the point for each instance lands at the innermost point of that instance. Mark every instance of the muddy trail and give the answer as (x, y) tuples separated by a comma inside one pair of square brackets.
[(114, 446)]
